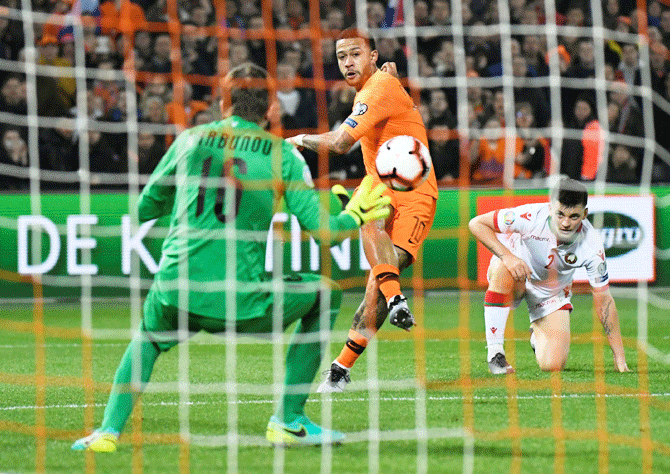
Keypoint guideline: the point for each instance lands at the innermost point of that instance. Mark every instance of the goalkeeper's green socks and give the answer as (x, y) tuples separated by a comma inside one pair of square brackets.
[(139, 354)]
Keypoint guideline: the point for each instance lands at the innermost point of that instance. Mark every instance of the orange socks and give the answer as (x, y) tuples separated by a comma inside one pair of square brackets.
[(355, 345), (388, 277)]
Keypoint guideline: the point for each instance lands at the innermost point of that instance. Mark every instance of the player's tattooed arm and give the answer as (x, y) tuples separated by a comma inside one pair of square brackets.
[(609, 318), (604, 316), (337, 141)]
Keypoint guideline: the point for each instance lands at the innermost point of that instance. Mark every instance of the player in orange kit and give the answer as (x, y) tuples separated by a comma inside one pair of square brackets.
[(382, 109)]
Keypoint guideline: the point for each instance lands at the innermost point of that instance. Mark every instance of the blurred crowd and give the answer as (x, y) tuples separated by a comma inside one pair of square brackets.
[(156, 64)]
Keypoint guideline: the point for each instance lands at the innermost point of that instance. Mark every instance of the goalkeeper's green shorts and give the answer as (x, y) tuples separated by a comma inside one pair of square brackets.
[(160, 322)]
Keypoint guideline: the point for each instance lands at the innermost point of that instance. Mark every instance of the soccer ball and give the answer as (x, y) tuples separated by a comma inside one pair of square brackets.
[(403, 163)]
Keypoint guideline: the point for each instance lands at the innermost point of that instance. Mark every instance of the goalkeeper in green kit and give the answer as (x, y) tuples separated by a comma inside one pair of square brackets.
[(221, 183)]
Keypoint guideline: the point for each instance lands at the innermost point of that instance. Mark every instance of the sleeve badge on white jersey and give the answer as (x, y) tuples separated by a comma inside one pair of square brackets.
[(508, 218), (602, 269), (570, 258)]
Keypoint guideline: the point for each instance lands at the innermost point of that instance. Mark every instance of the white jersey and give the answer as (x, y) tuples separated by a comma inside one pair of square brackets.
[(525, 231)]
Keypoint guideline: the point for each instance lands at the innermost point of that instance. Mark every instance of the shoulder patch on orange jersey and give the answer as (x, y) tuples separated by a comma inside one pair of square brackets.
[(359, 108)]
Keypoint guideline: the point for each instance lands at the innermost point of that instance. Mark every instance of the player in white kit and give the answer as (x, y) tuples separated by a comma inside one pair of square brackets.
[(540, 247)]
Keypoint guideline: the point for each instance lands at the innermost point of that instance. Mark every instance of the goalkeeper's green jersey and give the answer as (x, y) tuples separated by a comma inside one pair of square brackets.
[(221, 183)]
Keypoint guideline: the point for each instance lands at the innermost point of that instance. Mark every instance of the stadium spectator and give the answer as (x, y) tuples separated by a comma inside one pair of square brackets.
[(121, 16), (664, 25), (335, 21), (534, 157), (95, 105), (479, 99), (206, 310), (158, 13), (533, 49), (106, 86), (201, 118), (331, 72), (390, 51), (144, 50), (564, 58), (59, 148), (488, 155), (157, 86), (12, 99), (479, 48), (629, 66), (11, 38), (658, 60), (185, 8), (65, 82), (516, 10), (56, 21), (496, 69), (540, 270), (182, 112), (630, 121), (622, 166), (421, 13), (149, 152), (443, 146), (238, 53), (161, 59), (444, 63), (440, 13), (376, 14), (14, 152), (256, 44), (497, 106), (382, 110), (611, 14), (525, 92), (661, 168), (153, 111), (198, 54), (297, 103), (582, 156), (613, 112), (103, 159)]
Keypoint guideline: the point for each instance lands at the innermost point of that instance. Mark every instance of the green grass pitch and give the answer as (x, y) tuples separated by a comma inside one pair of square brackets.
[(528, 422)]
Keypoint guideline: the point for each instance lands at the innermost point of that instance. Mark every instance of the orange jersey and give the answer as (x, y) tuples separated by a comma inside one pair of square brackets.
[(382, 110)]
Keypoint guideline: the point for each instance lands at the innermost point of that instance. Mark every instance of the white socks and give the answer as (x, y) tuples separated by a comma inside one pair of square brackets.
[(495, 319)]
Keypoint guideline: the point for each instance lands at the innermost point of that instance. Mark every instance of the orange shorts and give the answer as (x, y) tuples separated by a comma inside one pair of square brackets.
[(411, 221)]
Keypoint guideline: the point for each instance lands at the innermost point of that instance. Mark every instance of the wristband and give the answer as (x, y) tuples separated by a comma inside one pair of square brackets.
[(299, 140)]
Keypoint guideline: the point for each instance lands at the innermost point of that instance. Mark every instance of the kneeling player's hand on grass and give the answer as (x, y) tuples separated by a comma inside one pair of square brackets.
[(620, 364), (367, 204)]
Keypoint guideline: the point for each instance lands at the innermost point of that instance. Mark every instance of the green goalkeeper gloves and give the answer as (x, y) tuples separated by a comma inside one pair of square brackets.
[(366, 204)]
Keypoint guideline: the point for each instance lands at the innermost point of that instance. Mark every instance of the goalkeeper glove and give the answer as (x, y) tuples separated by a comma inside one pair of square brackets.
[(367, 204)]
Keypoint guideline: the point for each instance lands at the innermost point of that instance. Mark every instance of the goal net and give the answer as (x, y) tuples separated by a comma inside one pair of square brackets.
[(513, 94)]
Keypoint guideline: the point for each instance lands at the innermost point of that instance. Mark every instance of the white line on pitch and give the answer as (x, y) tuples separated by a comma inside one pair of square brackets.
[(360, 399)]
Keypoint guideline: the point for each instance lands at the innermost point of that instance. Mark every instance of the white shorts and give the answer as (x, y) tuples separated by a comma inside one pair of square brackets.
[(540, 304)]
